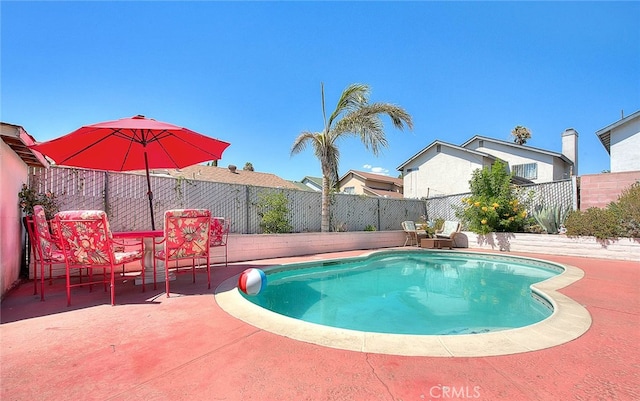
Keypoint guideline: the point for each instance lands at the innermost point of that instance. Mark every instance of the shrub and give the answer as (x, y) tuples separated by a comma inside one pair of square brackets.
[(370, 227), (619, 219), (594, 222), (627, 209), (28, 198), (273, 210), (493, 204)]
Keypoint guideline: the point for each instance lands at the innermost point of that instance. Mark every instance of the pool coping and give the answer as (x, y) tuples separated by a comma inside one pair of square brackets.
[(569, 321)]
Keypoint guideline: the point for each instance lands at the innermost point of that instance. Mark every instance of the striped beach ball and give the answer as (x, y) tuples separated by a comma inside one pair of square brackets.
[(252, 281)]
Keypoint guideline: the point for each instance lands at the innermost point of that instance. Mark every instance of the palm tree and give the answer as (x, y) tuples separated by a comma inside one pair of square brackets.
[(353, 116), (520, 134)]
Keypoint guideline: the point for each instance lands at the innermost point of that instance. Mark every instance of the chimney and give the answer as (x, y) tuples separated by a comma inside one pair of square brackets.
[(232, 168), (570, 148)]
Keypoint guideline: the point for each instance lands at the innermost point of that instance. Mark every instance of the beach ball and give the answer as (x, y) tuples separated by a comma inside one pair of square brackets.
[(252, 281)]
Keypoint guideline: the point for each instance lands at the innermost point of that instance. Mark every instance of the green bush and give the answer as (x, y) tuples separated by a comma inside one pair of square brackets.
[(493, 205), (618, 219), (627, 208), (593, 222), (273, 210)]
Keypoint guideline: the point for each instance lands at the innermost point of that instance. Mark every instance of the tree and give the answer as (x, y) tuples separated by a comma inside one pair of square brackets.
[(352, 117), (493, 205), (521, 134), (248, 166)]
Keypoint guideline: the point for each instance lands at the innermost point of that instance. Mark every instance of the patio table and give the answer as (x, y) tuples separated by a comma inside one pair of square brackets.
[(147, 239)]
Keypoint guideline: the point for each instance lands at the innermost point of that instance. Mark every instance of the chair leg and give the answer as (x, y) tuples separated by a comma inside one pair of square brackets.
[(113, 286), (209, 271), (69, 287), (166, 276), (41, 279), (35, 277)]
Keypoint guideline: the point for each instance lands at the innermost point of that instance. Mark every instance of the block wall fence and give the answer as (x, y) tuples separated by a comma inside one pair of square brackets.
[(598, 190)]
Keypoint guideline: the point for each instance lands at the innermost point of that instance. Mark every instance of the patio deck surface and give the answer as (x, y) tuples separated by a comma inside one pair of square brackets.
[(149, 347)]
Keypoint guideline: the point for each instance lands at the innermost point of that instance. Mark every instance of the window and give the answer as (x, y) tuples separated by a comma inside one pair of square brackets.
[(528, 171), (349, 190), (438, 148)]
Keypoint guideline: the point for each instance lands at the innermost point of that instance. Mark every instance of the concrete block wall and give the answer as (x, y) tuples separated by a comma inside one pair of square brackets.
[(598, 190)]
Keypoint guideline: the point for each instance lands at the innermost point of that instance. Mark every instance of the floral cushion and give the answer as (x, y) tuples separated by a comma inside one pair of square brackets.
[(41, 226), (186, 234), (87, 239), (218, 231)]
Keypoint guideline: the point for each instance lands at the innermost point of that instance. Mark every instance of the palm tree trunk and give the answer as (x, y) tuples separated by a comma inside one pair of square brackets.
[(325, 222)]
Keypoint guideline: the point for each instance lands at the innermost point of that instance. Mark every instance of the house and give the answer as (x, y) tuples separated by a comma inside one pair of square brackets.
[(230, 175), (443, 168), (361, 183), (15, 160), (310, 184), (622, 141)]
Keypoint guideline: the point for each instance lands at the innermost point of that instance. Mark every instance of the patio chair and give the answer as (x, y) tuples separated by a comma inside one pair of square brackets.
[(219, 234), (87, 242), (46, 251), (449, 230), (412, 233), (186, 236)]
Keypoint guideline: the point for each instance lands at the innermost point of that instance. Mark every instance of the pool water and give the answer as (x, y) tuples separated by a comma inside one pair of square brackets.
[(413, 292)]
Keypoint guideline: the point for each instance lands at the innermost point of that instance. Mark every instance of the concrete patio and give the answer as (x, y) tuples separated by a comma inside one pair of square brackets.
[(149, 347)]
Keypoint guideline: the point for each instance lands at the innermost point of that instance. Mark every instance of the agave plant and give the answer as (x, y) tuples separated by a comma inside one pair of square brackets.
[(550, 218)]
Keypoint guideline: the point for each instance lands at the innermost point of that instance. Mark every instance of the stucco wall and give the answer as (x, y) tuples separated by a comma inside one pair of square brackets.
[(354, 182), (625, 147), (598, 190), (13, 173), (515, 156), (440, 173)]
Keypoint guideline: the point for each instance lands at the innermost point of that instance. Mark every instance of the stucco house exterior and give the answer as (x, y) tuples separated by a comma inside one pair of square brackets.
[(361, 183), (15, 160), (443, 168), (622, 141)]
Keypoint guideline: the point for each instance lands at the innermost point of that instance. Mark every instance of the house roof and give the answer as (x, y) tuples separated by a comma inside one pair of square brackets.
[(443, 143), (302, 186), (19, 140), (604, 134), (374, 177), (382, 193), (464, 148), (516, 146), (226, 175), (312, 182)]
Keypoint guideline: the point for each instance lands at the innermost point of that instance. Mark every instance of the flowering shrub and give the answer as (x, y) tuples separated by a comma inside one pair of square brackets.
[(28, 198), (493, 205)]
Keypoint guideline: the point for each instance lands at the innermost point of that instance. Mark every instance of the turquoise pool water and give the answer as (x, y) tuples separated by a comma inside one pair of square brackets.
[(413, 292)]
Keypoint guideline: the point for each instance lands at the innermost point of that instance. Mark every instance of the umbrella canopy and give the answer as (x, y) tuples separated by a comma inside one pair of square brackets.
[(135, 143)]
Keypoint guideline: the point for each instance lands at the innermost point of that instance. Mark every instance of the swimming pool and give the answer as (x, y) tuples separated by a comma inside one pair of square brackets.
[(568, 319), (411, 293)]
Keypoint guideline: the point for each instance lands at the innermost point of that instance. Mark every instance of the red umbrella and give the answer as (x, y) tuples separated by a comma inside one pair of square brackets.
[(134, 143)]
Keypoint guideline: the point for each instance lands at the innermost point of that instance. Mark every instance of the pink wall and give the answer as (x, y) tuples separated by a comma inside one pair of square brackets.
[(598, 190)]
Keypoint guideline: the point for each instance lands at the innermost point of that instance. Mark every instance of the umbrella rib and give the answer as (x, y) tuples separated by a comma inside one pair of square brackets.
[(168, 133), (104, 138)]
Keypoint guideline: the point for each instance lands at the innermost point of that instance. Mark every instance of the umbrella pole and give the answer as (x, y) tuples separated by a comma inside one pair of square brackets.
[(146, 165)]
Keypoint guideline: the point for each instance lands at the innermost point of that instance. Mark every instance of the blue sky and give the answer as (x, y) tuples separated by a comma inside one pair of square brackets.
[(249, 72)]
